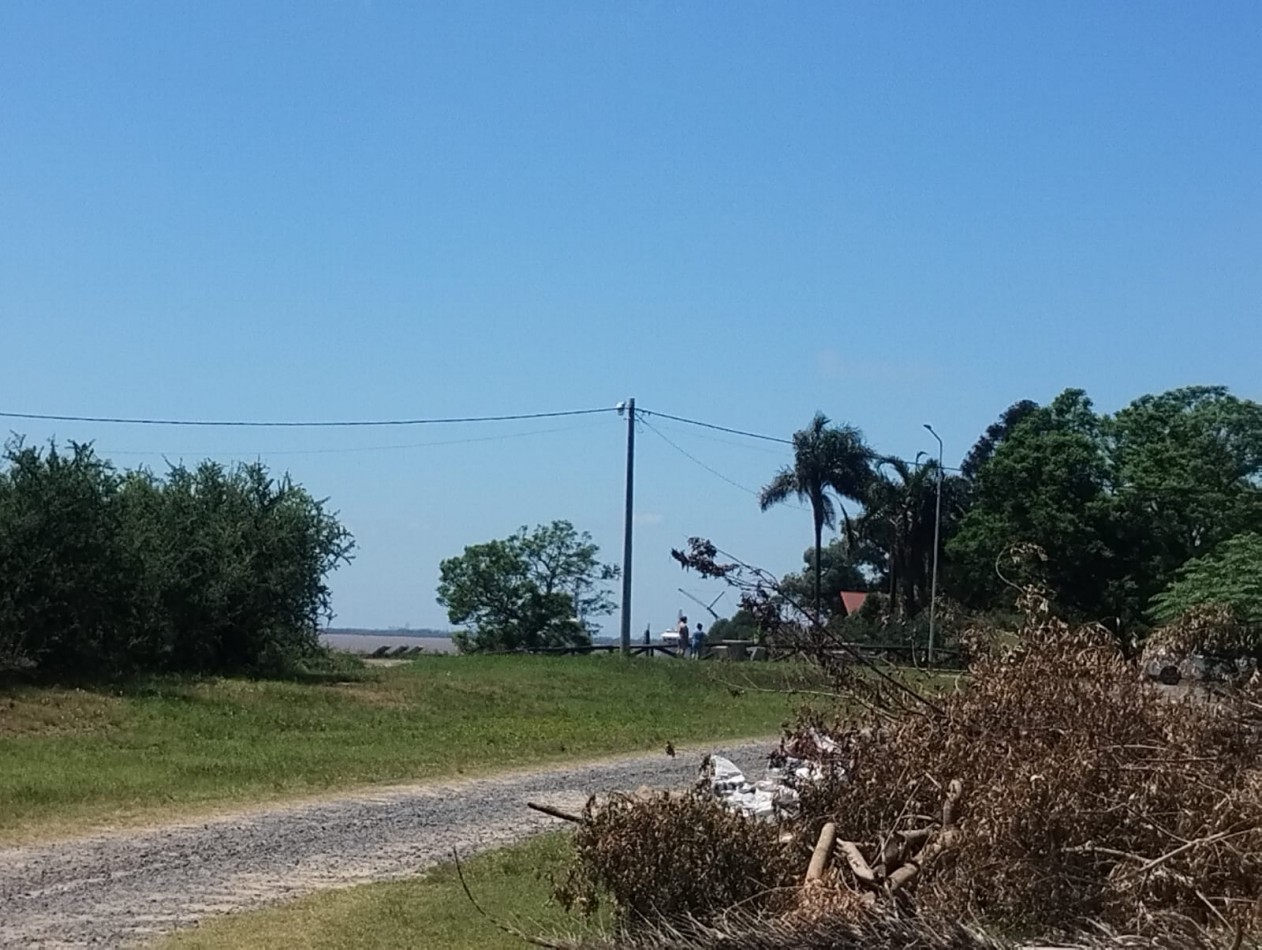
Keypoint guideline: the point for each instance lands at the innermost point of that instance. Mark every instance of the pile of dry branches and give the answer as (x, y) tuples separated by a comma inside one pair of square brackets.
[(1057, 786), (1055, 789)]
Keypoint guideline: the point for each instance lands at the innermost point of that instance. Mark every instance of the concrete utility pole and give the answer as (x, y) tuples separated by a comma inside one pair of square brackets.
[(626, 528), (937, 528)]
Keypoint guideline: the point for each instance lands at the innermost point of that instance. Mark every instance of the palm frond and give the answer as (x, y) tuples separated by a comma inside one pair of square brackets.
[(783, 486)]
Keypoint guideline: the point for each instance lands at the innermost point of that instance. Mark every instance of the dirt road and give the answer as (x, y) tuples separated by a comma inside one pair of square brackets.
[(123, 888)]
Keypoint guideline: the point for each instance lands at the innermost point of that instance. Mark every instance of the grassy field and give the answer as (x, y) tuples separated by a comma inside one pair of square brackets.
[(72, 759), (428, 911)]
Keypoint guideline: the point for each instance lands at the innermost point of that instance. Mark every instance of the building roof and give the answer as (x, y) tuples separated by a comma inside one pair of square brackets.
[(852, 600)]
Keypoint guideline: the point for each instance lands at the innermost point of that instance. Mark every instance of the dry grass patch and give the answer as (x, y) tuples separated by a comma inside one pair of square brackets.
[(51, 713)]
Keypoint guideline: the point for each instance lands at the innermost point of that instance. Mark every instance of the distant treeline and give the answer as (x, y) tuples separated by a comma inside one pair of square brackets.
[(107, 573), (424, 633)]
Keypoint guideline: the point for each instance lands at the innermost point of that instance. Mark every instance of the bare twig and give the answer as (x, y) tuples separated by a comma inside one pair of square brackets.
[(499, 925), (1210, 839)]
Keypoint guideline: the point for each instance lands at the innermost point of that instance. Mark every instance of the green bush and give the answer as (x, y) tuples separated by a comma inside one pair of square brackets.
[(67, 585), (206, 570)]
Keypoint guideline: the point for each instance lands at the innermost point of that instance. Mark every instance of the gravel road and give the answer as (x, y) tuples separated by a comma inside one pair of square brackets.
[(122, 888)]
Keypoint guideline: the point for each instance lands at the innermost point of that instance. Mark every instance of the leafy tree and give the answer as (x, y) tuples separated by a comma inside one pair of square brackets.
[(842, 567), (825, 458), (1186, 466), (1047, 483), (742, 625), (1117, 503), (534, 589), (994, 436), (560, 560), (1230, 576)]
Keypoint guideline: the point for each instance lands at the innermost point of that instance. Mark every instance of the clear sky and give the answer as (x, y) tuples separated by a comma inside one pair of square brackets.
[(738, 212)]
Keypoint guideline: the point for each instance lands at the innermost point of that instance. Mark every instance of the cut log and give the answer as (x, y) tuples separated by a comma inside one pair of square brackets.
[(951, 805), (943, 841), (858, 863), (823, 851), (915, 839)]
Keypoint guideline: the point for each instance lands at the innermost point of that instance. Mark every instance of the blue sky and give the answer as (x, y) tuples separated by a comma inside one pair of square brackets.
[(738, 212)]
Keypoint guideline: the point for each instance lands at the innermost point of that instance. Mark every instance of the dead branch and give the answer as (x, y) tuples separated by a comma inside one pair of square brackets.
[(555, 812)]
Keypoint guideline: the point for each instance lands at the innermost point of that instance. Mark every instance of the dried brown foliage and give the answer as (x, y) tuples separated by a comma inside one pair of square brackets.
[(670, 856), (1055, 789), (1208, 631), (1087, 792), (740, 931)]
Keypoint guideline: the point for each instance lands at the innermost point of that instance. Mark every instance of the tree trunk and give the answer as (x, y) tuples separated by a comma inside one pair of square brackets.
[(819, 557)]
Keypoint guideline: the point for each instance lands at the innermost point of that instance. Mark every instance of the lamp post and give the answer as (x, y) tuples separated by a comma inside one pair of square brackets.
[(937, 529)]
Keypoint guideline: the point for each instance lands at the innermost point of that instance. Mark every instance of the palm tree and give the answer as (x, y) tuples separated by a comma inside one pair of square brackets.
[(899, 515), (825, 458)]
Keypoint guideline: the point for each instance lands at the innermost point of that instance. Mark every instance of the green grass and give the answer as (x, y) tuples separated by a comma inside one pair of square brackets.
[(429, 911), (72, 759)]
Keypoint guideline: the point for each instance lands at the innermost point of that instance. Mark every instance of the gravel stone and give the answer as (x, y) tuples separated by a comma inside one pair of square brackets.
[(122, 888)]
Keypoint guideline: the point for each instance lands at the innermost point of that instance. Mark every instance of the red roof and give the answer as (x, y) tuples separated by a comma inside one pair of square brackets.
[(852, 600)]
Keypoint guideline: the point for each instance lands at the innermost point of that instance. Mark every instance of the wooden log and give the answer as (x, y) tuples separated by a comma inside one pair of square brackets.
[(950, 806), (905, 875), (936, 844), (916, 838), (823, 851), (858, 863)]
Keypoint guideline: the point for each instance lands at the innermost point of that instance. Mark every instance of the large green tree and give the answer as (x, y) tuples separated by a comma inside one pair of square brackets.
[(1116, 503), (1186, 469), (994, 436), (1228, 576), (826, 458), (1046, 483), (537, 588)]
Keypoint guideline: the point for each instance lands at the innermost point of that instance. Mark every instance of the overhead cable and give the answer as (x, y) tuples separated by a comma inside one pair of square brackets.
[(207, 423)]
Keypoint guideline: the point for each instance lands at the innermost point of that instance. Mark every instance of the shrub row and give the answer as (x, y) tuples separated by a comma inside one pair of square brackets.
[(107, 573)]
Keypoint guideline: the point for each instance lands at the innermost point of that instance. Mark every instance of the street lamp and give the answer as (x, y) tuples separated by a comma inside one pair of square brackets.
[(937, 529)]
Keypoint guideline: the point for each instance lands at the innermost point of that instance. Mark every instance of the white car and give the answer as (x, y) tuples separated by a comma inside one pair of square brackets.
[(670, 638)]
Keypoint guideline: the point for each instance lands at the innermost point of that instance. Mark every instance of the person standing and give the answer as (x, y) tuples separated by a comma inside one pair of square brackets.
[(698, 641), (683, 636)]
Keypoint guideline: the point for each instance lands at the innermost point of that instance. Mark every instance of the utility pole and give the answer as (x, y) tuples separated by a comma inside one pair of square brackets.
[(626, 530), (937, 529)]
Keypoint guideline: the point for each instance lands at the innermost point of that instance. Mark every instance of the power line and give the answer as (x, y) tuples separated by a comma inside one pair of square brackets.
[(717, 428), (770, 438), (363, 448), (747, 446), (713, 471), (206, 423), (692, 458)]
